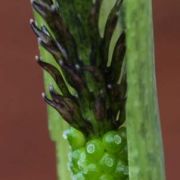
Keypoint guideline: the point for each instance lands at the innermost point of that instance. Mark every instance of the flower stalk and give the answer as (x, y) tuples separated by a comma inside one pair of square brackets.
[(100, 79)]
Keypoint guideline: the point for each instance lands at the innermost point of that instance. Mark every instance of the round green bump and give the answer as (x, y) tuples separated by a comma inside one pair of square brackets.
[(92, 171), (94, 150), (108, 162), (123, 155), (82, 161), (113, 142), (76, 138), (106, 177), (117, 139), (76, 156), (78, 176), (121, 170), (122, 132)]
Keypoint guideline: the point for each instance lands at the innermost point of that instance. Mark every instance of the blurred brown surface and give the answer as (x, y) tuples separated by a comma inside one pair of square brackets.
[(26, 153), (167, 35)]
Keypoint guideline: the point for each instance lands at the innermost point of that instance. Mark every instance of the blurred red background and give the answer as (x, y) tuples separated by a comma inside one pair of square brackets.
[(25, 149)]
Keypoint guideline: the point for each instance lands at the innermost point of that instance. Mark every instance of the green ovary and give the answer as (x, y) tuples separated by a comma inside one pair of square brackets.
[(98, 158)]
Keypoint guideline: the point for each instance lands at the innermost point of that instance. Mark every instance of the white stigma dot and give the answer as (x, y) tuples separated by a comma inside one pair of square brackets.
[(43, 94), (61, 62), (65, 133), (36, 58), (109, 86), (117, 139), (77, 66), (31, 21), (91, 148), (109, 162)]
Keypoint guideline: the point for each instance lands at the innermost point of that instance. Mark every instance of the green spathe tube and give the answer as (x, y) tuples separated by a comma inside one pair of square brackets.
[(143, 129)]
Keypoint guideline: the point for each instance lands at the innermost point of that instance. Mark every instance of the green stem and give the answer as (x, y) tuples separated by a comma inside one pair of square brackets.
[(143, 128)]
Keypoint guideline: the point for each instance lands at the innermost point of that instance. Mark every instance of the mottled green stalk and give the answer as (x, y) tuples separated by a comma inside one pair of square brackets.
[(144, 134)]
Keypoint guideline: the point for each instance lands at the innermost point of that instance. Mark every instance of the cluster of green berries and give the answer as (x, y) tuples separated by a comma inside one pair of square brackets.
[(98, 158)]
